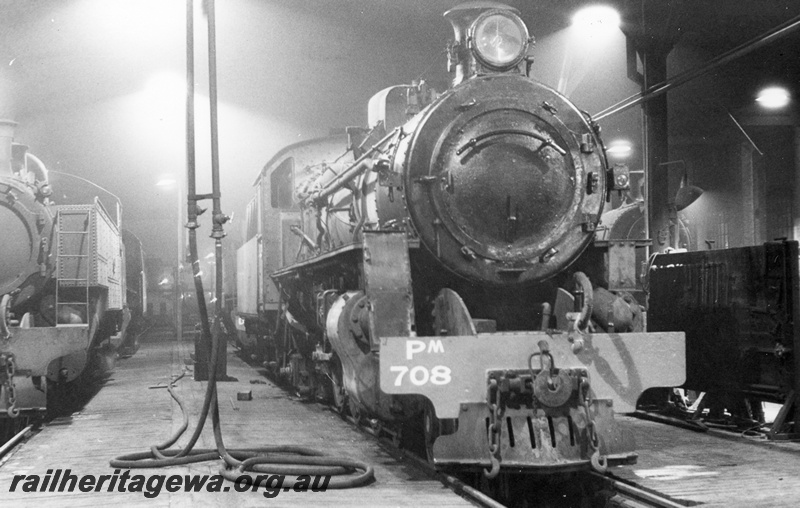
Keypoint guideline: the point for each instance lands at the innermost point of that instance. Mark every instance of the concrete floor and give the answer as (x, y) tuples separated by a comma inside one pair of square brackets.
[(713, 469), (128, 416)]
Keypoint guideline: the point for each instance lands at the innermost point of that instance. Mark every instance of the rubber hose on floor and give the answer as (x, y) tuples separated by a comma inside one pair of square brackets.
[(238, 463)]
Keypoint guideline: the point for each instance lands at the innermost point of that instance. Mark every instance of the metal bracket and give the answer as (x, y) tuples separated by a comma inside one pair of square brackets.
[(589, 223), (387, 177), (619, 178), (592, 182), (587, 143), (387, 284)]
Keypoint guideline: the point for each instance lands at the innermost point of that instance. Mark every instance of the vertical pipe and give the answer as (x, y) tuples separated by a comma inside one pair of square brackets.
[(191, 209), (794, 269), (190, 163), (656, 148), (217, 231), (749, 194), (645, 192), (200, 367), (796, 200), (179, 268)]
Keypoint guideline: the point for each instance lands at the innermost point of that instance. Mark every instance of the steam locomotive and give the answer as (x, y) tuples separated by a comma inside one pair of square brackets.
[(62, 279), (443, 276)]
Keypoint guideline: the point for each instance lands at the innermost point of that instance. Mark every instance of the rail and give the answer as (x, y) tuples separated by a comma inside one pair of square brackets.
[(640, 497), (11, 443)]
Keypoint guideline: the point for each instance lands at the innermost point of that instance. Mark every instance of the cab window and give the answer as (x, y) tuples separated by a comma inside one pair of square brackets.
[(281, 185)]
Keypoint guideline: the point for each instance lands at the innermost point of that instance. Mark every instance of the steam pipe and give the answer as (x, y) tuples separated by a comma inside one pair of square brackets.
[(659, 89), (36, 165), (21, 156), (361, 164)]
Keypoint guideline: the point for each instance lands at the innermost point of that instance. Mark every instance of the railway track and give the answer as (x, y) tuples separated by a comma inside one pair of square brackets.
[(9, 444), (578, 489), (590, 489), (457, 485), (587, 489), (564, 490), (625, 495), (678, 468), (607, 491)]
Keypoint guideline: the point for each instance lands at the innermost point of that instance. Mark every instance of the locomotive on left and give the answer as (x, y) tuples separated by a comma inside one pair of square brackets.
[(62, 279)]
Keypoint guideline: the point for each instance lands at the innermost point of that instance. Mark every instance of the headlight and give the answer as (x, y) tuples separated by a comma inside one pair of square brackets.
[(500, 39)]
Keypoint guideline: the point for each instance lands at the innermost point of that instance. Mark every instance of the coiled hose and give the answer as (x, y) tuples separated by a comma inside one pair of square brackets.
[(239, 463)]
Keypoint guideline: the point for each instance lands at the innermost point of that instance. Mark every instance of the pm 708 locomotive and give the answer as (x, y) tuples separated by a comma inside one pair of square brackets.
[(446, 269)]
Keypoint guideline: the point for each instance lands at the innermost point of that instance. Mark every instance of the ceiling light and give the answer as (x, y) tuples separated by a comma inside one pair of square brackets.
[(166, 182), (773, 97), (620, 148), (596, 18)]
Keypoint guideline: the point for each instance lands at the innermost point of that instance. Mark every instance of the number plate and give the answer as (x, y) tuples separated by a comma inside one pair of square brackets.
[(452, 370)]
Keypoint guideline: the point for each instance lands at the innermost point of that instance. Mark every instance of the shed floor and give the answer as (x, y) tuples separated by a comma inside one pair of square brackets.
[(712, 469), (128, 416)]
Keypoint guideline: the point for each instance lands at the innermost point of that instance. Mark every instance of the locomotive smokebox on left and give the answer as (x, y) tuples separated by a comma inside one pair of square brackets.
[(25, 218)]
